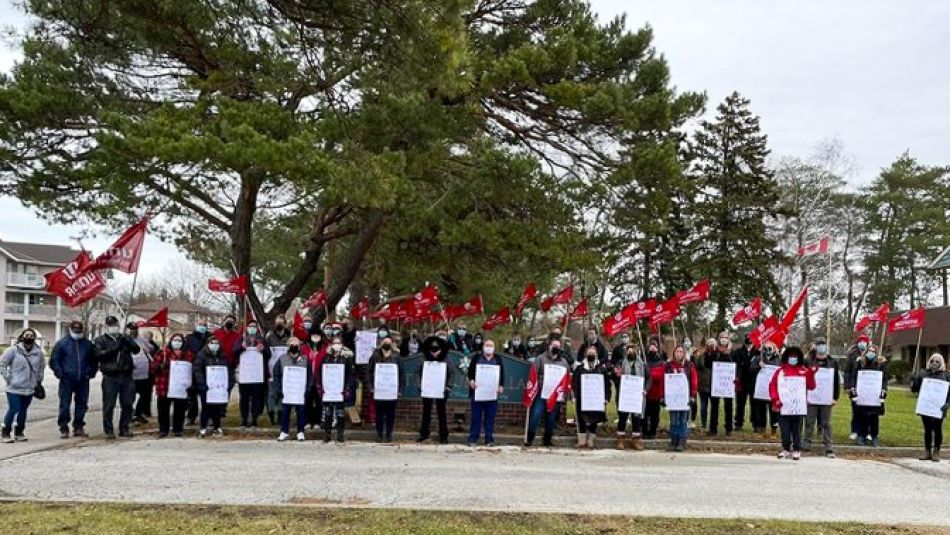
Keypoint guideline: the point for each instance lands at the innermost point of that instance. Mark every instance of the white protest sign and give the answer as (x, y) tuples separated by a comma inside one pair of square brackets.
[(275, 353), (724, 380), (433, 379), (762, 381), (868, 386), (294, 385), (179, 379), (217, 381), (365, 345), (487, 378), (331, 379), (824, 392), (791, 392), (251, 367), (631, 394), (386, 382), (140, 366), (592, 392), (932, 397), (676, 392), (553, 375)]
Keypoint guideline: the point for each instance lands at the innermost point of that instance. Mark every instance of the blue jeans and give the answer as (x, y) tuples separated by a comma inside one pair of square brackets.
[(538, 410), (285, 417), (483, 411), (72, 391), (678, 427), (16, 407)]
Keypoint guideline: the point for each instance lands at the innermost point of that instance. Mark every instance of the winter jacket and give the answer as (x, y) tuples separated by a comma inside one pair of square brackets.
[(704, 370), (277, 338), (603, 356), (21, 369), (347, 359), (787, 370), (229, 342), (462, 344), (204, 359), (637, 367), (658, 376), (480, 358), (443, 356), (286, 361), (160, 368), (520, 351), (814, 363), (196, 341), (247, 341), (410, 346), (114, 354), (743, 358), (73, 359), (854, 353), (654, 361), (719, 356), (547, 359), (940, 375), (862, 363), (585, 369), (315, 354), (378, 357)]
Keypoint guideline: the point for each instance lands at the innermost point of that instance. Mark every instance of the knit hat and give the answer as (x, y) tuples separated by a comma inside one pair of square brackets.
[(864, 338)]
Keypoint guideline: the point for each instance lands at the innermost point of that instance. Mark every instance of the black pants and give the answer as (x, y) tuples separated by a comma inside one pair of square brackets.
[(385, 418), (636, 423), (933, 432), (123, 389), (761, 414), (741, 399), (194, 406), (143, 392), (868, 420), (210, 413), (714, 414), (791, 432), (311, 403), (652, 419), (424, 431), (253, 397), (174, 407)]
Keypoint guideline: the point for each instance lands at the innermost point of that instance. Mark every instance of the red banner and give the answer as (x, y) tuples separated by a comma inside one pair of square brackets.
[(749, 312), (125, 253), (526, 296), (696, 294), (769, 329), (912, 319), (360, 309), (789, 318), (564, 296), (644, 309), (498, 318), (237, 285), (531, 388), (427, 297), (469, 308), (298, 329), (664, 313), (160, 319), (318, 299), (878, 315), (620, 321), (562, 389), (75, 282), (580, 311)]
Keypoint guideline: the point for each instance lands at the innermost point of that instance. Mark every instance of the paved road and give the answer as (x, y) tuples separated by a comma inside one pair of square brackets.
[(455, 477)]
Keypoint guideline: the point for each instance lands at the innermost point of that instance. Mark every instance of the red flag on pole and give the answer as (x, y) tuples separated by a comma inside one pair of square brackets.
[(580, 311), (664, 313), (562, 389), (237, 285), (125, 252), (619, 321), (819, 247), (384, 313), (564, 296), (879, 315), (644, 309), (360, 309), (912, 319), (531, 388), (749, 312), (317, 300), (526, 296), (498, 318), (298, 329), (789, 318), (696, 294), (427, 297), (469, 308), (765, 331), (74, 282), (160, 319)]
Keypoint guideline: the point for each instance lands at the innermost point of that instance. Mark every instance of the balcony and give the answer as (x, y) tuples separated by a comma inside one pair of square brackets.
[(36, 311), (25, 280), (14, 308)]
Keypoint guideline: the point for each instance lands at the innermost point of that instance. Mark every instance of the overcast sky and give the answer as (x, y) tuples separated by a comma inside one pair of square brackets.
[(874, 74)]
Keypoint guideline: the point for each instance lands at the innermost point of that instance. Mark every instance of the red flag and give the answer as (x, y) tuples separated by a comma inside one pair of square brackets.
[(765, 331), (644, 309), (863, 323), (789, 318), (562, 388), (237, 285), (878, 315), (498, 318), (125, 253), (160, 319), (298, 329), (360, 309), (664, 313), (318, 299), (75, 282), (580, 311), (526, 296), (749, 312), (531, 388), (427, 297), (912, 319), (384, 313), (819, 247), (469, 308), (698, 293), (619, 321), (564, 296)]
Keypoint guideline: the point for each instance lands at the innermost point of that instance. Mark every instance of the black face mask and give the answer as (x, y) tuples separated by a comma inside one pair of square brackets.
[(590, 358), (28, 342), (555, 351), (386, 347), (229, 325), (293, 350)]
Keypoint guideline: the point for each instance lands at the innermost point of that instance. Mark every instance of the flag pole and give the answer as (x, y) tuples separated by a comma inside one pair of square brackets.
[(828, 297), (643, 350), (883, 334), (128, 310), (920, 333)]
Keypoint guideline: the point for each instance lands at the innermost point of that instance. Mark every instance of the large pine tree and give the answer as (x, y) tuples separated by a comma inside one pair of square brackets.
[(736, 197)]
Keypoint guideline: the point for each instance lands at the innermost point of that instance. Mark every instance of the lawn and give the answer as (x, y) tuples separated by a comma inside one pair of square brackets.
[(24, 518)]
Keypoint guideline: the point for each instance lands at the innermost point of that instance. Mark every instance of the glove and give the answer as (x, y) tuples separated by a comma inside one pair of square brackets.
[(346, 393), (883, 394), (776, 406), (853, 393), (945, 407)]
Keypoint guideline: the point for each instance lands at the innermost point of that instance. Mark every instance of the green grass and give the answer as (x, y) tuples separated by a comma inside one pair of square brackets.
[(22, 518)]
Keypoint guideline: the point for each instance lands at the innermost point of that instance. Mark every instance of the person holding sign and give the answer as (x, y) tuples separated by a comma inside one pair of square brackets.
[(824, 397), (383, 372), (435, 349), (591, 387), (335, 381), (486, 377), (194, 343), (936, 372), (161, 370), (292, 373), (763, 367), (212, 355), (550, 368), (792, 369), (655, 358), (723, 353), (679, 416), (315, 349), (631, 364), (868, 393), (252, 354)]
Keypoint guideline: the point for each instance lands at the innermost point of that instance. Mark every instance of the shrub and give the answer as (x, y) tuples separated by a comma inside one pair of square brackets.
[(899, 370)]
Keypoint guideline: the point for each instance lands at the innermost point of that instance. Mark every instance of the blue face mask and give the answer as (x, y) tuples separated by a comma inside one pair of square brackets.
[(793, 361), (821, 348), (307, 325), (461, 332), (871, 355), (862, 345), (201, 329), (382, 334), (75, 336)]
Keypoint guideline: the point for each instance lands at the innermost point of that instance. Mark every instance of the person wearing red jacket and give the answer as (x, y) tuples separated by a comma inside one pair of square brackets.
[(678, 418), (793, 365), (161, 369), (315, 348)]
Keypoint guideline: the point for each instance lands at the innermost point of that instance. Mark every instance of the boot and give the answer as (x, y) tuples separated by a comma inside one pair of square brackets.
[(5, 436), (80, 432), (928, 455), (339, 435), (680, 442), (581, 441), (548, 440), (621, 443), (530, 440), (636, 444), (936, 456), (591, 438)]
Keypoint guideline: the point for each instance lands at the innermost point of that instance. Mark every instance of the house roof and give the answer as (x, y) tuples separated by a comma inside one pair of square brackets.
[(936, 330), (176, 305), (38, 253)]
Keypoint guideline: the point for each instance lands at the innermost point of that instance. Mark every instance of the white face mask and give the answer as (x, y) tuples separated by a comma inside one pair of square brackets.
[(488, 350), (176, 344), (337, 347), (112, 330)]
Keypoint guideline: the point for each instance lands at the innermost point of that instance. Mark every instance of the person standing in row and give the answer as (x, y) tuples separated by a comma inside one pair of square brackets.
[(212, 355), (631, 363), (171, 412), (230, 338), (679, 426), (144, 385), (252, 396), (705, 381), (587, 421), (764, 419), (793, 365), (933, 427), (315, 349), (592, 340), (114, 357), (655, 358), (383, 355), (552, 356), (517, 348), (484, 411), (723, 353), (436, 349), (869, 416), (73, 361), (820, 415), (276, 337), (334, 415), (194, 343), (745, 388), (858, 350), (294, 358), (22, 368)]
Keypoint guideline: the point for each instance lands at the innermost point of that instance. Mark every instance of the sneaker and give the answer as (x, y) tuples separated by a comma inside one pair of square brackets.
[(177, 435), (125, 434), (301, 437), (862, 441), (64, 432), (875, 443), (219, 432), (282, 437), (202, 433), (20, 438), (830, 454), (110, 436), (853, 436), (80, 432), (163, 435), (796, 455), (490, 444), (243, 429), (783, 454), (7, 439)]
